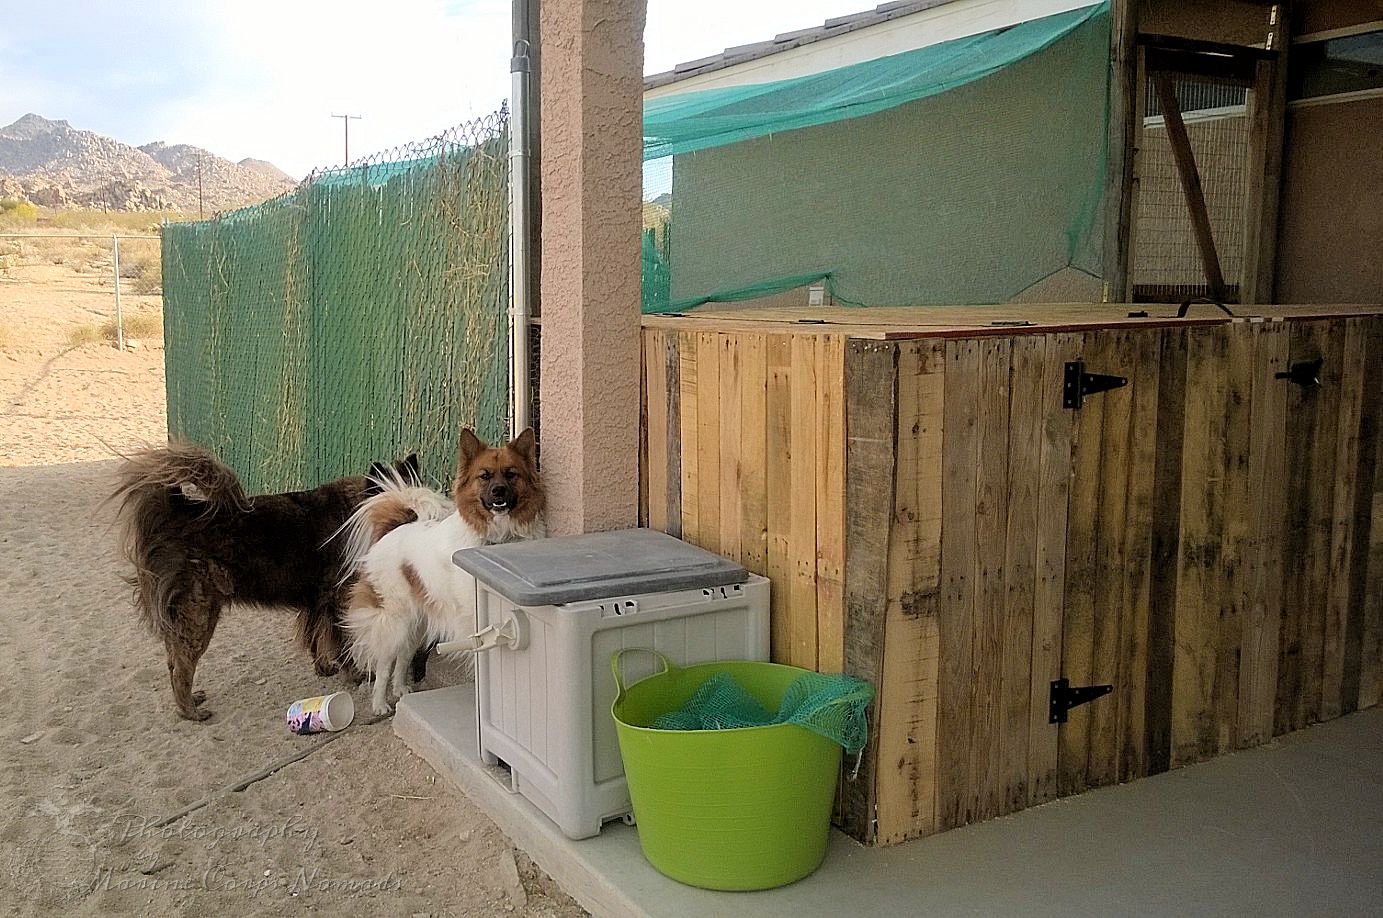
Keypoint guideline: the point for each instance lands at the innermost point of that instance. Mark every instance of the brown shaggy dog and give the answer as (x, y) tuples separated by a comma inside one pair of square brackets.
[(198, 543)]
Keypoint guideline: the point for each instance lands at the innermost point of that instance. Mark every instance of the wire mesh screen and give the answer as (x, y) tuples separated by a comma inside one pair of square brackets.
[(359, 317), (979, 190), (1167, 263)]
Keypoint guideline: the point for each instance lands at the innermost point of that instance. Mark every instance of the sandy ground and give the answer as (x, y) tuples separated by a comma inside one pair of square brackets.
[(94, 759)]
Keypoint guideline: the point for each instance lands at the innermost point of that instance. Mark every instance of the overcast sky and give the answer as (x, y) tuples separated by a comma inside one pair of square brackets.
[(261, 77)]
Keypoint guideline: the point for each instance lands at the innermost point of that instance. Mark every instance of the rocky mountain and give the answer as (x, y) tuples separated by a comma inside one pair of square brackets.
[(56, 165)]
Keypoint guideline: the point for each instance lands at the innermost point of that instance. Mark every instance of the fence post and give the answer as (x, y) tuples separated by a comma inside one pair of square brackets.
[(119, 317)]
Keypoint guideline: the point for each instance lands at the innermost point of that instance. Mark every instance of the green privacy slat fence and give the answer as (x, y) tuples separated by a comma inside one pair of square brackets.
[(361, 316)]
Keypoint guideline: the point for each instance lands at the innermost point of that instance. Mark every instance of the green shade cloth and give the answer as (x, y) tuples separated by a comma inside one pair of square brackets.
[(715, 117)]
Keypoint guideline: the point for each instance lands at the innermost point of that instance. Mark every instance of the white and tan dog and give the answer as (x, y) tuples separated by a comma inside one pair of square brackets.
[(407, 591)]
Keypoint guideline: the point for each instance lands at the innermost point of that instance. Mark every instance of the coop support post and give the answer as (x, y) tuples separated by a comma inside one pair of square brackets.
[(119, 316), (591, 73), (1120, 149)]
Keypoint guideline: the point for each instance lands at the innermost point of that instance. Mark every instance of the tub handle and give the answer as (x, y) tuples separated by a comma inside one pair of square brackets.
[(618, 673)]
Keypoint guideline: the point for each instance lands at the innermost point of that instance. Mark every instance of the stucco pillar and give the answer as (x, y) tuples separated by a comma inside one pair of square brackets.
[(592, 139)]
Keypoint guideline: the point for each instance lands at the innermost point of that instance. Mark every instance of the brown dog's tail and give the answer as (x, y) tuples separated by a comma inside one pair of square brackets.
[(161, 491)]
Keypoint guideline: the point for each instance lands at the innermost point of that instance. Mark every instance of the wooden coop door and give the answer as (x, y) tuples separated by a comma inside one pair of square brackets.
[(1208, 153), (1219, 541)]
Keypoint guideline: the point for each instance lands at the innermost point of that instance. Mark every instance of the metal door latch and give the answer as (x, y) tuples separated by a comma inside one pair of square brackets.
[(1304, 373)]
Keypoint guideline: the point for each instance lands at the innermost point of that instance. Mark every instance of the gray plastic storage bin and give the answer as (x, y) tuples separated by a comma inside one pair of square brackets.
[(565, 605)]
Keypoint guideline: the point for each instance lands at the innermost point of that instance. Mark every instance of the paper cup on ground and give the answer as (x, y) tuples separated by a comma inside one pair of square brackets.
[(325, 712)]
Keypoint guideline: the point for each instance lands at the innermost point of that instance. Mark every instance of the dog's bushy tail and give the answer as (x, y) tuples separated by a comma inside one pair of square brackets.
[(160, 490), (396, 503), (377, 634)]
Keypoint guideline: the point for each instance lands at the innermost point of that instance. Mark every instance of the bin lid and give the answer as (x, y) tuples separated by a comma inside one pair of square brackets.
[(596, 565)]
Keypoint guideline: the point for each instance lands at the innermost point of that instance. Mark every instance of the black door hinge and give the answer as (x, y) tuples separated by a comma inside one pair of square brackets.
[(1064, 698), (1078, 384)]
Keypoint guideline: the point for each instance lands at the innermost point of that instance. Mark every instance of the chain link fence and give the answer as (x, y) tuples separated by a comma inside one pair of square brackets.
[(359, 317)]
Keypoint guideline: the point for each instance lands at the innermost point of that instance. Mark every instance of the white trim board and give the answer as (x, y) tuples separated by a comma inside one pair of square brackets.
[(1362, 28), (1338, 98), (907, 33)]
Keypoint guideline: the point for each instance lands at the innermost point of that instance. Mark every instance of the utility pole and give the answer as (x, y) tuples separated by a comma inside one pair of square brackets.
[(346, 123), (201, 201)]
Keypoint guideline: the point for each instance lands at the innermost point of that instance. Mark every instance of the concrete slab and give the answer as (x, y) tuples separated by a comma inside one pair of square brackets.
[(1293, 828)]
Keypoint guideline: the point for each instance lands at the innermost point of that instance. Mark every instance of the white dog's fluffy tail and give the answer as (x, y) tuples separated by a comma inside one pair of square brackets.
[(398, 503)]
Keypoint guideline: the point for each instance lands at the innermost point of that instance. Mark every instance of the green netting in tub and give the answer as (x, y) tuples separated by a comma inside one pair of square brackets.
[(831, 705)]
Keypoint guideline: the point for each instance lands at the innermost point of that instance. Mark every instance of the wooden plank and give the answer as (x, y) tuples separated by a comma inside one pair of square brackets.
[(1054, 489), (908, 704), (1185, 161), (1321, 569), (991, 514), (731, 465), (1267, 484), (656, 427), (1237, 507), (830, 503), (1120, 149), (1371, 647), (1337, 586), (871, 384), (1166, 550), (940, 321), (778, 487), (690, 406), (1312, 424), (708, 441), (802, 504), (954, 321), (956, 616), (643, 430), (1025, 428), (1131, 678), (1082, 570), (1112, 560), (1363, 654), (1199, 566), (673, 363), (753, 395)]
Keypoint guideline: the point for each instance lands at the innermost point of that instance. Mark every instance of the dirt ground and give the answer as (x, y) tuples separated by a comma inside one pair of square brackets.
[(94, 759)]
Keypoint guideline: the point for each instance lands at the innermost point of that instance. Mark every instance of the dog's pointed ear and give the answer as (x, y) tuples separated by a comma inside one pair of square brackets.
[(524, 444), (470, 447), (374, 476), (412, 471)]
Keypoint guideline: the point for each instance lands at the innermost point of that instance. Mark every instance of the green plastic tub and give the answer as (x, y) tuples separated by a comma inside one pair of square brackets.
[(739, 809)]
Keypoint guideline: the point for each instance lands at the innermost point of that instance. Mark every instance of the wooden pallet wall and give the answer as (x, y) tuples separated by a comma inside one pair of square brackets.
[(1207, 539), (744, 441)]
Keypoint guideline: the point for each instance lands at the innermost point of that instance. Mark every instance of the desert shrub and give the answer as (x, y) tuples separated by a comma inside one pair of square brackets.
[(88, 333), (17, 212), (144, 323), (141, 324)]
